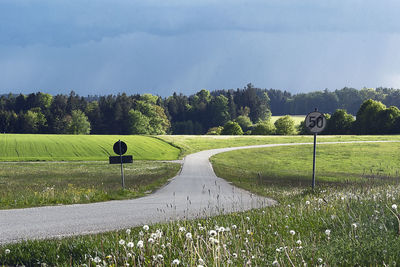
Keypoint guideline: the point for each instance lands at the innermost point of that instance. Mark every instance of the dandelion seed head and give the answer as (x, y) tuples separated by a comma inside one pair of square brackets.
[(189, 236), (327, 232), (130, 245), (150, 240), (275, 263), (248, 218), (292, 232), (320, 260), (394, 206), (7, 251), (176, 262), (128, 231), (97, 259), (140, 244), (234, 226), (234, 255), (182, 229), (212, 233), (307, 202), (298, 242), (146, 227), (121, 242)]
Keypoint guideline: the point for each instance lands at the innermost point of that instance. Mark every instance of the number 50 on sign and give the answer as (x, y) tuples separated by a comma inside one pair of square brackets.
[(315, 122)]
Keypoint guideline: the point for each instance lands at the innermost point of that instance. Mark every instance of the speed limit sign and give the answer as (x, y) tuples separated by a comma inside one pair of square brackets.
[(315, 122)]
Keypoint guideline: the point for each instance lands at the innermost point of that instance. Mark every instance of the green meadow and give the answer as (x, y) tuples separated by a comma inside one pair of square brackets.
[(31, 184), (193, 143), (40, 147), (351, 219), (293, 164)]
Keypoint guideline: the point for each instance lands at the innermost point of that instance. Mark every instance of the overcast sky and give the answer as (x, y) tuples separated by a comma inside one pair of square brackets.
[(162, 46)]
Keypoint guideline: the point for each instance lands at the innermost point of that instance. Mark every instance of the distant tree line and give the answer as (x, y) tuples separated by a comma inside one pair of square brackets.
[(241, 111)]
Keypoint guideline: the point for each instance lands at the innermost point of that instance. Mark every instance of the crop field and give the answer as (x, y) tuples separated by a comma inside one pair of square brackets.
[(31, 184), (38, 147), (351, 219)]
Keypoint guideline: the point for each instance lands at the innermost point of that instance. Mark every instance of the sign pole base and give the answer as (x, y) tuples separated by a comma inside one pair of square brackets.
[(313, 173)]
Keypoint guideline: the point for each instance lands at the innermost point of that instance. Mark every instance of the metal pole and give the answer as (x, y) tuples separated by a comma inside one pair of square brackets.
[(122, 168), (313, 171)]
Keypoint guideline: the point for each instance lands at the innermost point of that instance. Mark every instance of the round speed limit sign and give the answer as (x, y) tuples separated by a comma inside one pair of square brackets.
[(315, 122)]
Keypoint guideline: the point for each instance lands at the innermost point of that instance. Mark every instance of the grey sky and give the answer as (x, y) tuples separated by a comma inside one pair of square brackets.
[(101, 47)]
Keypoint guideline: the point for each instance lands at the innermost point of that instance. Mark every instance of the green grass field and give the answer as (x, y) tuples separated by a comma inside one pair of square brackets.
[(38, 147), (293, 164), (342, 223), (46, 183), (195, 143)]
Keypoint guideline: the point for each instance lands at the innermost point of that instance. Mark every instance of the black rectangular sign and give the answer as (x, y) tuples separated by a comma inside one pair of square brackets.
[(117, 159)]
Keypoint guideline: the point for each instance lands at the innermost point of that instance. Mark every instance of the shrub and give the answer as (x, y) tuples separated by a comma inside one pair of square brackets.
[(232, 128)]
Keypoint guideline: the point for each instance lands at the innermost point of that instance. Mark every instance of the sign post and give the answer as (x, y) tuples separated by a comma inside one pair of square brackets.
[(120, 148), (315, 122)]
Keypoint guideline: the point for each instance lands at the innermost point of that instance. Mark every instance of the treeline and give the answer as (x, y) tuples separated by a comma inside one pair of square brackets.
[(203, 112)]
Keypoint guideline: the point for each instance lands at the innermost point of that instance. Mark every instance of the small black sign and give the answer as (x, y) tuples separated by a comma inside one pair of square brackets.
[(117, 159), (120, 147)]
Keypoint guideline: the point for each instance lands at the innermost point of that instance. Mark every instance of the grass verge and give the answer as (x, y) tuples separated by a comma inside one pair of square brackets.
[(45, 183)]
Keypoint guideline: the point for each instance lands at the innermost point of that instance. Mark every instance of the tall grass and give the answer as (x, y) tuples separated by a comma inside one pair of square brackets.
[(46, 183)]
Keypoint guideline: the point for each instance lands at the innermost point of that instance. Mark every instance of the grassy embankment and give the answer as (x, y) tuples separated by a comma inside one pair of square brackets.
[(343, 223), (40, 183)]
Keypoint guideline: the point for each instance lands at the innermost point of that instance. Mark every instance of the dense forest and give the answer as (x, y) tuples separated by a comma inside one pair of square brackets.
[(204, 112)]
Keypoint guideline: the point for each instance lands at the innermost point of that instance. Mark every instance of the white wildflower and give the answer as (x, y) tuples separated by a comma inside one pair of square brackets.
[(182, 229), (150, 240), (298, 242), (275, 263), (354, 225), (176, 262), (189, 236), (394, 206), (146, 227), (140, 244), (7, 251), (307, 202), (130, 245), (248, 218), (122, 242), (97, 259), (212, 233), (128, 231), (327, 232), (234, 226), (292, 232)]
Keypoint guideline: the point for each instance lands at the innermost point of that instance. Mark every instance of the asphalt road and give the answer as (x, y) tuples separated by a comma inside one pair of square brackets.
[(195, 192)]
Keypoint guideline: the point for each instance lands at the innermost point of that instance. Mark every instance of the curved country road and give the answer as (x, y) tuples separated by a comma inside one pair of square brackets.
[(195, 192)]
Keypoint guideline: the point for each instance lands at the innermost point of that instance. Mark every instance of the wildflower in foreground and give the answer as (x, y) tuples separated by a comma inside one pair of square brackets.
[(394, 206), (176, 262), (275, 263), (128, 231), (182, 229), (327, 232), (139, 244), (130, 245), (122, 242), (189, 236), (354, 225), (7, 251), (292, 232), (146, 227), (212, 233)]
